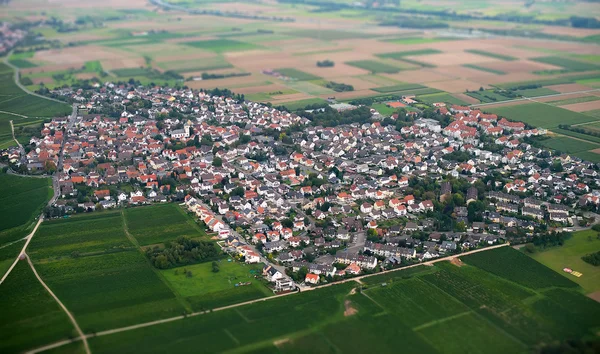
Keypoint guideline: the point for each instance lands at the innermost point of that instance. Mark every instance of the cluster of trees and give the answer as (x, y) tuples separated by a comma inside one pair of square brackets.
[(550, 239), (208, 76), (592, 258), (329, 117), (325, 63), (180, 252), (339, 87)]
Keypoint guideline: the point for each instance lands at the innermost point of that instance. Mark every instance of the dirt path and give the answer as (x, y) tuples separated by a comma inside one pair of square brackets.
[(177, 318), (28, 239), (75, 324), (12, 128)]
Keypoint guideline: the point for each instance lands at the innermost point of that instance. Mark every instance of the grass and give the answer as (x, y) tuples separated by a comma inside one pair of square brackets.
[(223, 45), (541, 115), (482, 68), (297, 74), (398, 87), (294, 105), (161, 223), (374, 66), (488, 96), (383, 109), (205, 289), (491, 55), (21, 201), (536, 92), (569, 145), (422, 310), (441, 97), (568, 65), (574, 100), (30, 316), (22, 63), (569, 256)]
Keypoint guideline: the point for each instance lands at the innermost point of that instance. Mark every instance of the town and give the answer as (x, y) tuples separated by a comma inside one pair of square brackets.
[(313, 203)]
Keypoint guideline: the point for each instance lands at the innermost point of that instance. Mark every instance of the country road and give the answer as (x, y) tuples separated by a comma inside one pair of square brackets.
[(18, 82), (533, 98), (176, 318)]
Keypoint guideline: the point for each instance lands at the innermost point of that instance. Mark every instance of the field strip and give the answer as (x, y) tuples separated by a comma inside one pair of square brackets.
[(28, 237), (533, 98), (433, 323), (181, 317), (75, 324)]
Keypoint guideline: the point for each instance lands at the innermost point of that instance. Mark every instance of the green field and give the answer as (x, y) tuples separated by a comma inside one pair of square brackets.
[(383, 109), (409, 53), (398, 87), (297, 74), (190, 66), (574, 100), (374, 66), (540, 115), (569, 256), (327, 35), (536, 92), (491, 55), (294, 105), (30, 316), (568, 65), (569, 145), (205, 289), (488, 96), (422, 310), (441, 97), (15, 100), (21, 201), (417, 40), (22, 63), (161, 223), (223, 45), (484, 69)]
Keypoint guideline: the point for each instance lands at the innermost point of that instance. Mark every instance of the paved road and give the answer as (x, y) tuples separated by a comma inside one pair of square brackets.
[(532, 98), (75, 324), (18, 82)]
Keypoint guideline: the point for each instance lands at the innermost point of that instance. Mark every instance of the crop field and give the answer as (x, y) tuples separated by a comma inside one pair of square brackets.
[(417, 40), (30, 316), (491, 55), (205, 289), (292, 106), (569, 256), (223, 45), (22, 200), (484, 69), (488, 96), (509, 264), (569, 65), (409, 53), (160, 223), (398, 87), (374, 66), (424, 308), (297, 74), (569, 145), (574, 100), (328, 35), (441, 97), (536, 92), (540, 115)]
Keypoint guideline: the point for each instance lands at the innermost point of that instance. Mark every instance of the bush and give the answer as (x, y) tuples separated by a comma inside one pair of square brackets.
[(181, 252), (592, 258)]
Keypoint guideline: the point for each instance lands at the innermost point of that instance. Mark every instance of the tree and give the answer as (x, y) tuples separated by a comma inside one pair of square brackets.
[(217, 162), (215, 267)]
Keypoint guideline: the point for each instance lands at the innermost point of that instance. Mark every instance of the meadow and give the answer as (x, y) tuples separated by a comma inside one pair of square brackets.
[(161, 223), (569, 256), (423, 310), (22, 200)]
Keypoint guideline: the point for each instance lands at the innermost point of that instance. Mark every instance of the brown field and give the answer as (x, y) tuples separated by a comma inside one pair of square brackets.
[(40, 80), (512, 77), (78, 55), (245, 81), (86, 76), (290, 97), (519, 66), (421, 76), (466, 98), (50, 68), (569, 88), (582, 107), (112, 64), (466, 73), (457, 86), (570, 31)]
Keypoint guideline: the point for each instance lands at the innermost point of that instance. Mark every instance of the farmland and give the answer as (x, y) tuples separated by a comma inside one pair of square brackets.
[(161, 223), (568, 65), (297, 74), (491, 55), (569, 256), (541, 115), (22, 201), (484, 69), (222, 45), (436, 305), (374, 66)]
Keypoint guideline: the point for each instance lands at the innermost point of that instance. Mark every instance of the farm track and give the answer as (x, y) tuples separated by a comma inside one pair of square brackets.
[(194, 314), (21, 149), (75, 324)]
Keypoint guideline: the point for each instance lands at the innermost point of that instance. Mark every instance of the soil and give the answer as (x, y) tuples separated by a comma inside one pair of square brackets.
[(350, 311), (457, 262)]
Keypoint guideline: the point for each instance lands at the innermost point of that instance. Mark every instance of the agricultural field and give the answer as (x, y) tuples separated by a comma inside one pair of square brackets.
[(437, 304), (374, 66), (567, 101), (30, 316), (484, 69), (297, 74), (568, 65), (441, 97), (569, 145), (398, 87), (161, 223), (205, 289), (491, 55), (540, 115), (22, 200), (569, 256), (222, 45)]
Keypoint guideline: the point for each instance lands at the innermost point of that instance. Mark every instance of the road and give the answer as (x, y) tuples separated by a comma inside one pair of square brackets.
[(75, 324), (177, 318), (533, 98), (16, 70), (12, 129)]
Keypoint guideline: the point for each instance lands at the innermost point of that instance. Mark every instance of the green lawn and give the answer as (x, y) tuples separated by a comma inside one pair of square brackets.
[(540, 114), (383, 109), (569, 256), (161, 223), (374, 66), (491, 55), (205, 289), (223, 45)]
